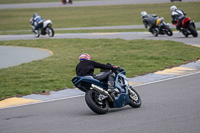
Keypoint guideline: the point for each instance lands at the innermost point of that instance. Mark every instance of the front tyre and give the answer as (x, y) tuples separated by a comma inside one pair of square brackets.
[(192, 31), (168, 31), (96, 105), (155, 32), (50, 31), (37, 33), (135, 100)]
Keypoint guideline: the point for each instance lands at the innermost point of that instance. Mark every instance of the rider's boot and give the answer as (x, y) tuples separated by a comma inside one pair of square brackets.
[(113, 91), (34, 31)]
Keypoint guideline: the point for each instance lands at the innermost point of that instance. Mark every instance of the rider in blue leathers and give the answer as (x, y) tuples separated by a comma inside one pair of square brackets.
[(36, 21)]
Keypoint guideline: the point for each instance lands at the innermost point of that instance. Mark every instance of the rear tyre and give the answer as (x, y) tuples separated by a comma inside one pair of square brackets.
[(50, 31), (96, 105), (192, 31), (135, 100)]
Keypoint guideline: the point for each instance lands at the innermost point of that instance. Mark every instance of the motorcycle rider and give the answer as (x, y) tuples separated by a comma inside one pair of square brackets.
[(86, 67), (36, 21), (177, 16), (149, 20)]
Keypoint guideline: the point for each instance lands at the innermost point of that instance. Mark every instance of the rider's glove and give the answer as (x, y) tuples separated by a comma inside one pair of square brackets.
[(116, 68)]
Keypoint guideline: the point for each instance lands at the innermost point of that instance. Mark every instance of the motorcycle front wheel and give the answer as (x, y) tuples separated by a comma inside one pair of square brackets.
[(50, 31), (168, 31), (95, 104), (155, 32), (37, 33), (192, 31), (135, 100)]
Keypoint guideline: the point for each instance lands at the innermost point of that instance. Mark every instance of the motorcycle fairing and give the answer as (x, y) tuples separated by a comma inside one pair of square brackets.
[(185, 22), (121, 101), (47, 22), (121, 82)]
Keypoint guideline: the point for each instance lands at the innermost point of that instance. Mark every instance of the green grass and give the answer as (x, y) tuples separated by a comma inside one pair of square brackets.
[(138, 57), (18, 19)]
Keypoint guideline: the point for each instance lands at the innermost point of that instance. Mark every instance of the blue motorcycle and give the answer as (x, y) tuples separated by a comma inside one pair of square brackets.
[(99, 100)]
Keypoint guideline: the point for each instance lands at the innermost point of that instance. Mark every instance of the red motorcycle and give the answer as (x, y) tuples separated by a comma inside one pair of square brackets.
[(188, 27)]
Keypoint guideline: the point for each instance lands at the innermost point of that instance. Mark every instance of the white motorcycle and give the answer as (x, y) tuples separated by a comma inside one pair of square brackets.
[(46, 29)]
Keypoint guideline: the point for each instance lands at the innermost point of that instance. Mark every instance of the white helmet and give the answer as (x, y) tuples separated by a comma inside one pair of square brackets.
[(143, 14), (172, 8)]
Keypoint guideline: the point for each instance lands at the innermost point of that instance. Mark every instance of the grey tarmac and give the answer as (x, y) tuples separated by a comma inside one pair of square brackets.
[(170, 106)]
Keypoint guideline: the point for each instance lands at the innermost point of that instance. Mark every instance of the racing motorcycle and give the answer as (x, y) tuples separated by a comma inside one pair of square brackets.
[(46, 29), (99, 100), (175, 0), (188, 27), (162, 28)]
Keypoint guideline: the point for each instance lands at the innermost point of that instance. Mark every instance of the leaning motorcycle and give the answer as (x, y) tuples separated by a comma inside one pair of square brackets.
[(99, 100), (188, 27), (162, 28), (46, 29)]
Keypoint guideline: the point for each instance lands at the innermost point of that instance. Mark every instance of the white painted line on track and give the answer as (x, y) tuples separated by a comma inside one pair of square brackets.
[(167, 79)]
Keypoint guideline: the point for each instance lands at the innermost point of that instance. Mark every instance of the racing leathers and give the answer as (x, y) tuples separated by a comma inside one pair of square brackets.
[(86, 68), (37, 22), (177, 16), (150, 20)]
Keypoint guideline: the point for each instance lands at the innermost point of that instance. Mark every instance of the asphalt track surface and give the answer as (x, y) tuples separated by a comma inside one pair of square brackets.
[(12, 56), (123, 35), (169, 106)]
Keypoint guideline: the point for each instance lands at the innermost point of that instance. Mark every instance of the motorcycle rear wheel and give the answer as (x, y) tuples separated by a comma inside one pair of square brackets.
[(192, 31), (135, 100), (97, 106), (50, 31)]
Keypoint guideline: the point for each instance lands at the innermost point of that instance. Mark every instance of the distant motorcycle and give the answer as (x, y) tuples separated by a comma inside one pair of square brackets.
[(188, 27), (99, 100), (46, 29), (175, 0), (66, 2), (162, 28)]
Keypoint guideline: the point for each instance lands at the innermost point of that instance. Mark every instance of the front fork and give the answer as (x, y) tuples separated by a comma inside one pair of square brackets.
[(132, 94), (193, 24)]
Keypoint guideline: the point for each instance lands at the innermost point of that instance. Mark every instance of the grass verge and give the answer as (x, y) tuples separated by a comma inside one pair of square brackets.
[(18, 19), (138, 57)]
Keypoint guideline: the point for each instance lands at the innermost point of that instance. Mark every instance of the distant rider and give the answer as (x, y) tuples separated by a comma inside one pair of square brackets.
[(66, 1), (149, 20), (86, 68), (36, 21), (177, 16)]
